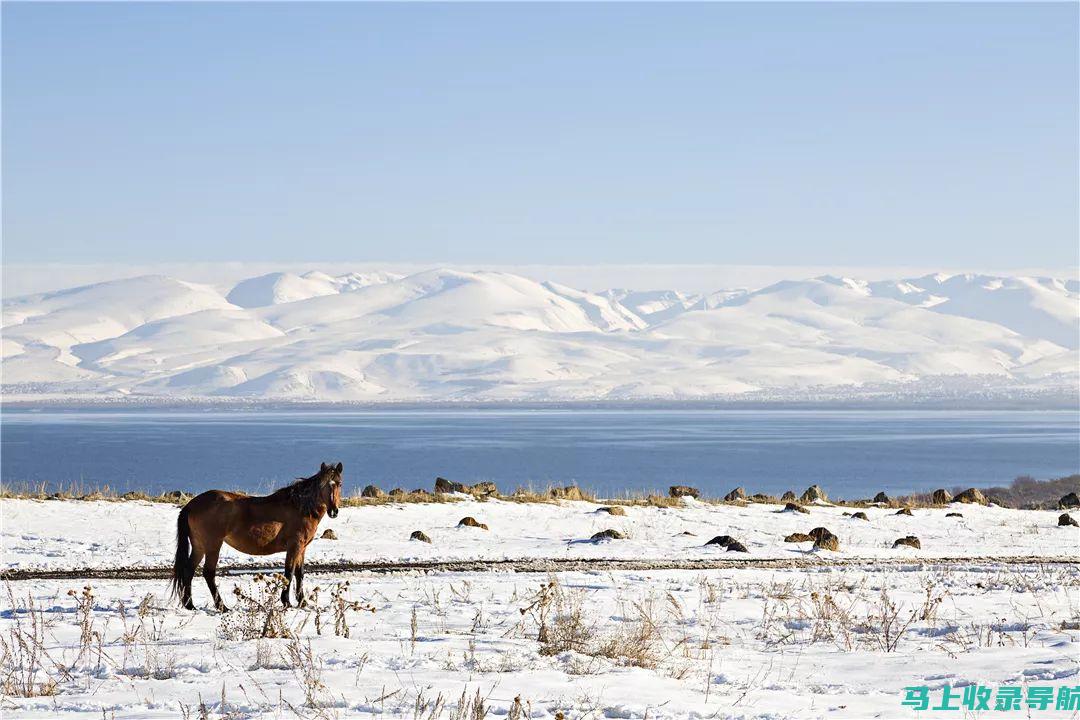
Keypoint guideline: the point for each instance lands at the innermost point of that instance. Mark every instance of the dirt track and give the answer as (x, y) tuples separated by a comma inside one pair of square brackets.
[(541, 565)]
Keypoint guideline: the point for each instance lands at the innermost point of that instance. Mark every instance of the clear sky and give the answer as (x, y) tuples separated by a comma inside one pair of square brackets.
[(917, 134)]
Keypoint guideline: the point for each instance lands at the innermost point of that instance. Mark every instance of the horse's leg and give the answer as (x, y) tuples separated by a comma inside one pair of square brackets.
[(301, 599), (209, 570), (290, 568), (185, 593)]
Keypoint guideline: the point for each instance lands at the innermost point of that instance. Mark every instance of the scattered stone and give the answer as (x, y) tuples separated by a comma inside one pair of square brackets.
[(724, 540), (971, 495), (910, 541), (860, 515), (819, 532), (570, 492), (789, 496), (798, 538), (941, 497), (421, 492), (736, 494), (954, 514), (613, 510), (328, 534), (997, 500), (737, 546), (444, 487), (132, 495), (1069, 501), (795, 507), (677, 491), (814, 492), (903, 511), (1067, 519), (881, 497), (397, 492), (484, 488), (372, 492), (827, 542), (421, 536), (687, 532), (608, 535), (763, 498), (470, 521)]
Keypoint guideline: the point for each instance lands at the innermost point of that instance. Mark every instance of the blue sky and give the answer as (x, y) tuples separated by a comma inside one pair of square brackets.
[(940, 135)]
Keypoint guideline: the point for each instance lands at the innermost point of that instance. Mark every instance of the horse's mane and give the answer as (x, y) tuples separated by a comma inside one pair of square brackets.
[(304, 493)]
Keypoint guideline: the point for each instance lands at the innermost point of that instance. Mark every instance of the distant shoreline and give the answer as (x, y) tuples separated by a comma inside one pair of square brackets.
[(1057, 404)]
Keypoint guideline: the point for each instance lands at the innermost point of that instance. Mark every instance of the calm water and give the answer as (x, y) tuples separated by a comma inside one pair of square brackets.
[(850, 453)]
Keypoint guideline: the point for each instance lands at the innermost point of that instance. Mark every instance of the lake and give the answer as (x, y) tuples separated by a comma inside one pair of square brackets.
[(851, 453)]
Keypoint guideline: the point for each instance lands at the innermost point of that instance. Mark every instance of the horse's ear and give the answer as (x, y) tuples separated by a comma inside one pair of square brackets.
[(322, 467), (339, 468)]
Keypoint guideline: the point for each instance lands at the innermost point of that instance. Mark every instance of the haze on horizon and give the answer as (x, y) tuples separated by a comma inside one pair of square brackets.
[(868, 135)]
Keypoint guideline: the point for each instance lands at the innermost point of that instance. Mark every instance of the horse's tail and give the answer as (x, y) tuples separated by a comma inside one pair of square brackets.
[(183, 569)]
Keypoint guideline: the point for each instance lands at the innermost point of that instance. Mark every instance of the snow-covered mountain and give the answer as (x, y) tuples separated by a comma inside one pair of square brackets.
[(452, 335)]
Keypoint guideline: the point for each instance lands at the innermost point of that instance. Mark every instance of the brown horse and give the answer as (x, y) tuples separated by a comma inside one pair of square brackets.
[(284, 521)]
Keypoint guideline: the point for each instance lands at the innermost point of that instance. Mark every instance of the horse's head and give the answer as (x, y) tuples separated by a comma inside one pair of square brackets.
[(330, 487)]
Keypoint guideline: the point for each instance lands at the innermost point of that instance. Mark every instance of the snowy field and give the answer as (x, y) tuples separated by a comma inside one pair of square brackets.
[(71, 534), (748, 642)]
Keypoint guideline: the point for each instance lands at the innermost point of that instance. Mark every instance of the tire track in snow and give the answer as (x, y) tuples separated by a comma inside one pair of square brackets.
[(543, 565)]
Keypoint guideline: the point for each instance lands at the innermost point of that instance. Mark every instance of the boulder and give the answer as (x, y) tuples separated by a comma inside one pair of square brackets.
[(903, 511), (910, 541), (1069, 501), (470, 521), (724, 540), (971, 495), (419, 535), (484, 488), (328, 534), (736, 546), (954, 514), (814, 492), (444, 486), (789, 496), (132, 495), (941, 497), (613, 510), (397, 492), (827, 542), (795, 507), (763, 498), (881, 497), (860, 515), (1066, 519), (736, 494), (570, 492), (608, 535), (677, 491), (372, 492), (420, 492), (798, 538), (819, 532)]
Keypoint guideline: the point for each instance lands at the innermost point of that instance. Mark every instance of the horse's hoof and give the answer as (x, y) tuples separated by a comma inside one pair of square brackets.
[(223, 608)]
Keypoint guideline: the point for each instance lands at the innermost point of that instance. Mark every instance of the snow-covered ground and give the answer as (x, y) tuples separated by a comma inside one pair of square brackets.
[(58, 534), (752, 642), (450, 335)]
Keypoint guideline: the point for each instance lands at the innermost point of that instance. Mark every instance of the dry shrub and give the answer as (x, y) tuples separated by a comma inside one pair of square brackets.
[(258, 613)]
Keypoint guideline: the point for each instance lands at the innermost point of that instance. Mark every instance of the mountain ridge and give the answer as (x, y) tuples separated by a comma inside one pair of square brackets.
[(452, 335)]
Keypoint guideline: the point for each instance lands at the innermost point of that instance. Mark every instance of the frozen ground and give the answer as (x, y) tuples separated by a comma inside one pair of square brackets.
[(821, 641), (737, 643), (70, 534)]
